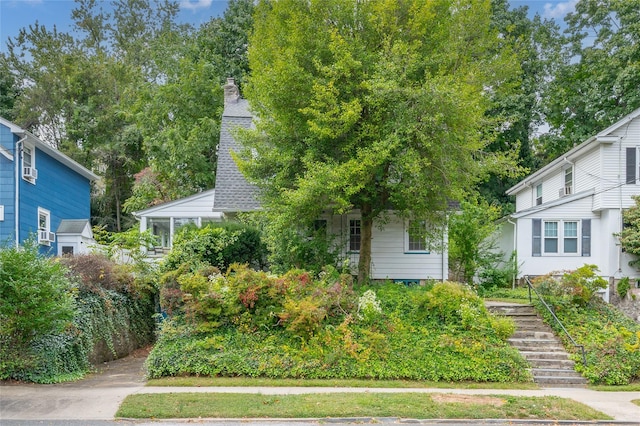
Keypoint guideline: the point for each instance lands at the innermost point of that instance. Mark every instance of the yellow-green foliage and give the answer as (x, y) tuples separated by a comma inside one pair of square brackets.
[(298, 325)]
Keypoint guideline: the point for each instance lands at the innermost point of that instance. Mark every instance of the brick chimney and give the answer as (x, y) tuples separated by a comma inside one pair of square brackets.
[(231, 92)]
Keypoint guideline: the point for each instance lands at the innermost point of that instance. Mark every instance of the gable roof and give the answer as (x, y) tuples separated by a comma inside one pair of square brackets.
[(211, 193), (602, 137), (73, 226), (233, 192), (49, 150)]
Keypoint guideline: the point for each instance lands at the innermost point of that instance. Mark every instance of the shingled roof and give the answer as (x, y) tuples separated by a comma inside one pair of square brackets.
[(233, 192)]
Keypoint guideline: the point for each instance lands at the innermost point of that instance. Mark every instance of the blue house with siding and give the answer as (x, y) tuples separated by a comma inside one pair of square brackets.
[(41, 190)]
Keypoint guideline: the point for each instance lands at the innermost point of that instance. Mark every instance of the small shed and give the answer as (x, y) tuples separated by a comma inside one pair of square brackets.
[(74, 237)]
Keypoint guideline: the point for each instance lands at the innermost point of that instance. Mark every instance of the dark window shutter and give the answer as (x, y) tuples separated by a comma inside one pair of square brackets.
[(586, 237), (537, 237), (631, 165)]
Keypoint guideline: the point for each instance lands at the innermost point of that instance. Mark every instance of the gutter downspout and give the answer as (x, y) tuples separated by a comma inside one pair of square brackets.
[(515, 250), (16, 207)]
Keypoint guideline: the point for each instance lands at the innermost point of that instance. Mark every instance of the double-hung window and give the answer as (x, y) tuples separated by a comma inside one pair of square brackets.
[(355, 234), (538, 194), (570, 233), (44, 227), (551, 237), (568, 181), (29, 172), (416, 236)]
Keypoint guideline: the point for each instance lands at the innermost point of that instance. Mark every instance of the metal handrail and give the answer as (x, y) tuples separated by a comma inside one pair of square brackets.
[(584, 356)]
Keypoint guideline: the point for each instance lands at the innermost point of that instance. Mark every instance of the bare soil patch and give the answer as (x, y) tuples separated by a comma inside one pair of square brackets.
[(469, 399)]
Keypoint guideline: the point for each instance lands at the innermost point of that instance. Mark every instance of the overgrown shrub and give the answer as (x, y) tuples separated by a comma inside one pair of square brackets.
[(253, 299), (623, 287), (112, 314), (36, 299), (299, 325), (610, 338), (578, 286), (218, 245)]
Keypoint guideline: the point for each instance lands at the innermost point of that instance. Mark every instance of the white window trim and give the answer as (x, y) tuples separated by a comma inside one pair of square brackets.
[(32, 152), (561, 237), (535, 194), (47, 228), (568, 189), (407, 250)]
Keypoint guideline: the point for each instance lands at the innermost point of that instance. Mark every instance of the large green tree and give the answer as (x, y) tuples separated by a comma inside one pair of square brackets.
[(180, 118), (79, 88), (536, 44), (383, 107), (600, 80)]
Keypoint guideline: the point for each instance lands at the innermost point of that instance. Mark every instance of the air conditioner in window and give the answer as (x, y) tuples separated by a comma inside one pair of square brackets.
[(46, 236), (565, 191), (43, 237), (29, 173)]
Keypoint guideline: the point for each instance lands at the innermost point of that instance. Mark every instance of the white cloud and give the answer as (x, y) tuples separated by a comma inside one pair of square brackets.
[(195, 4), (559, 10)]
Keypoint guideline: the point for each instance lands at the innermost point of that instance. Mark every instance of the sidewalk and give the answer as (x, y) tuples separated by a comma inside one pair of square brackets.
[(99, 396)]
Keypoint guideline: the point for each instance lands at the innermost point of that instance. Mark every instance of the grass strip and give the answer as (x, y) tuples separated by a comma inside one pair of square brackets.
[(636, 401), (202, 381), (340, 405), (632, 387)]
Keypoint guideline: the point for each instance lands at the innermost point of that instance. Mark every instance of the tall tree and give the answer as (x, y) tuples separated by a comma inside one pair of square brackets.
[(9, 90), (536, 43), (600, 80), (383, 107), (78, 89), (180, 118)]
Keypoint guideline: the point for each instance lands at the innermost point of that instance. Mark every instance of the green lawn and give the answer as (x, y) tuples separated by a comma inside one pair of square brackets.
[(202, 381), (376, 405), (633, 387)]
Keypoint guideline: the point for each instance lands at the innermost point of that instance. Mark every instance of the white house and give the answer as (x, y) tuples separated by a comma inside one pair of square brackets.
[(569, 212), (395, 255)]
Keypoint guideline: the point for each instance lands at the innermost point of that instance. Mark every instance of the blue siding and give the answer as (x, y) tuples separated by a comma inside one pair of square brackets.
[(7, 187), (62, 191)]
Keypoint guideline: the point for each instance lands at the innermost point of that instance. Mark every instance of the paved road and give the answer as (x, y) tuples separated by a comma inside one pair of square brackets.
[(96, 399)]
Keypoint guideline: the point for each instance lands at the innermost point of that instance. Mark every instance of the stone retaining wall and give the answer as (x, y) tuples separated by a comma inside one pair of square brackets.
[(630, 305)]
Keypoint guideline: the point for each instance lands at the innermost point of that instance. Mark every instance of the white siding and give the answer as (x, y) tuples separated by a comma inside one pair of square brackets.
[(615, 193), (551, 185), (587, 171), (199, 205), (603, 243), (388, 257)]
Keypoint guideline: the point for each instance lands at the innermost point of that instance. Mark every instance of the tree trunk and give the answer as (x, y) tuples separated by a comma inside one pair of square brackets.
[(364, 262)]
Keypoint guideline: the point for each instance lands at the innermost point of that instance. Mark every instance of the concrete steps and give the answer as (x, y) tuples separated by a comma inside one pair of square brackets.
[(538, 344)]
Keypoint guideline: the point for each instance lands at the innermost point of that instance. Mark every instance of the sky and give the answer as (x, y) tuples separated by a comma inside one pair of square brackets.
[(17, 14)]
